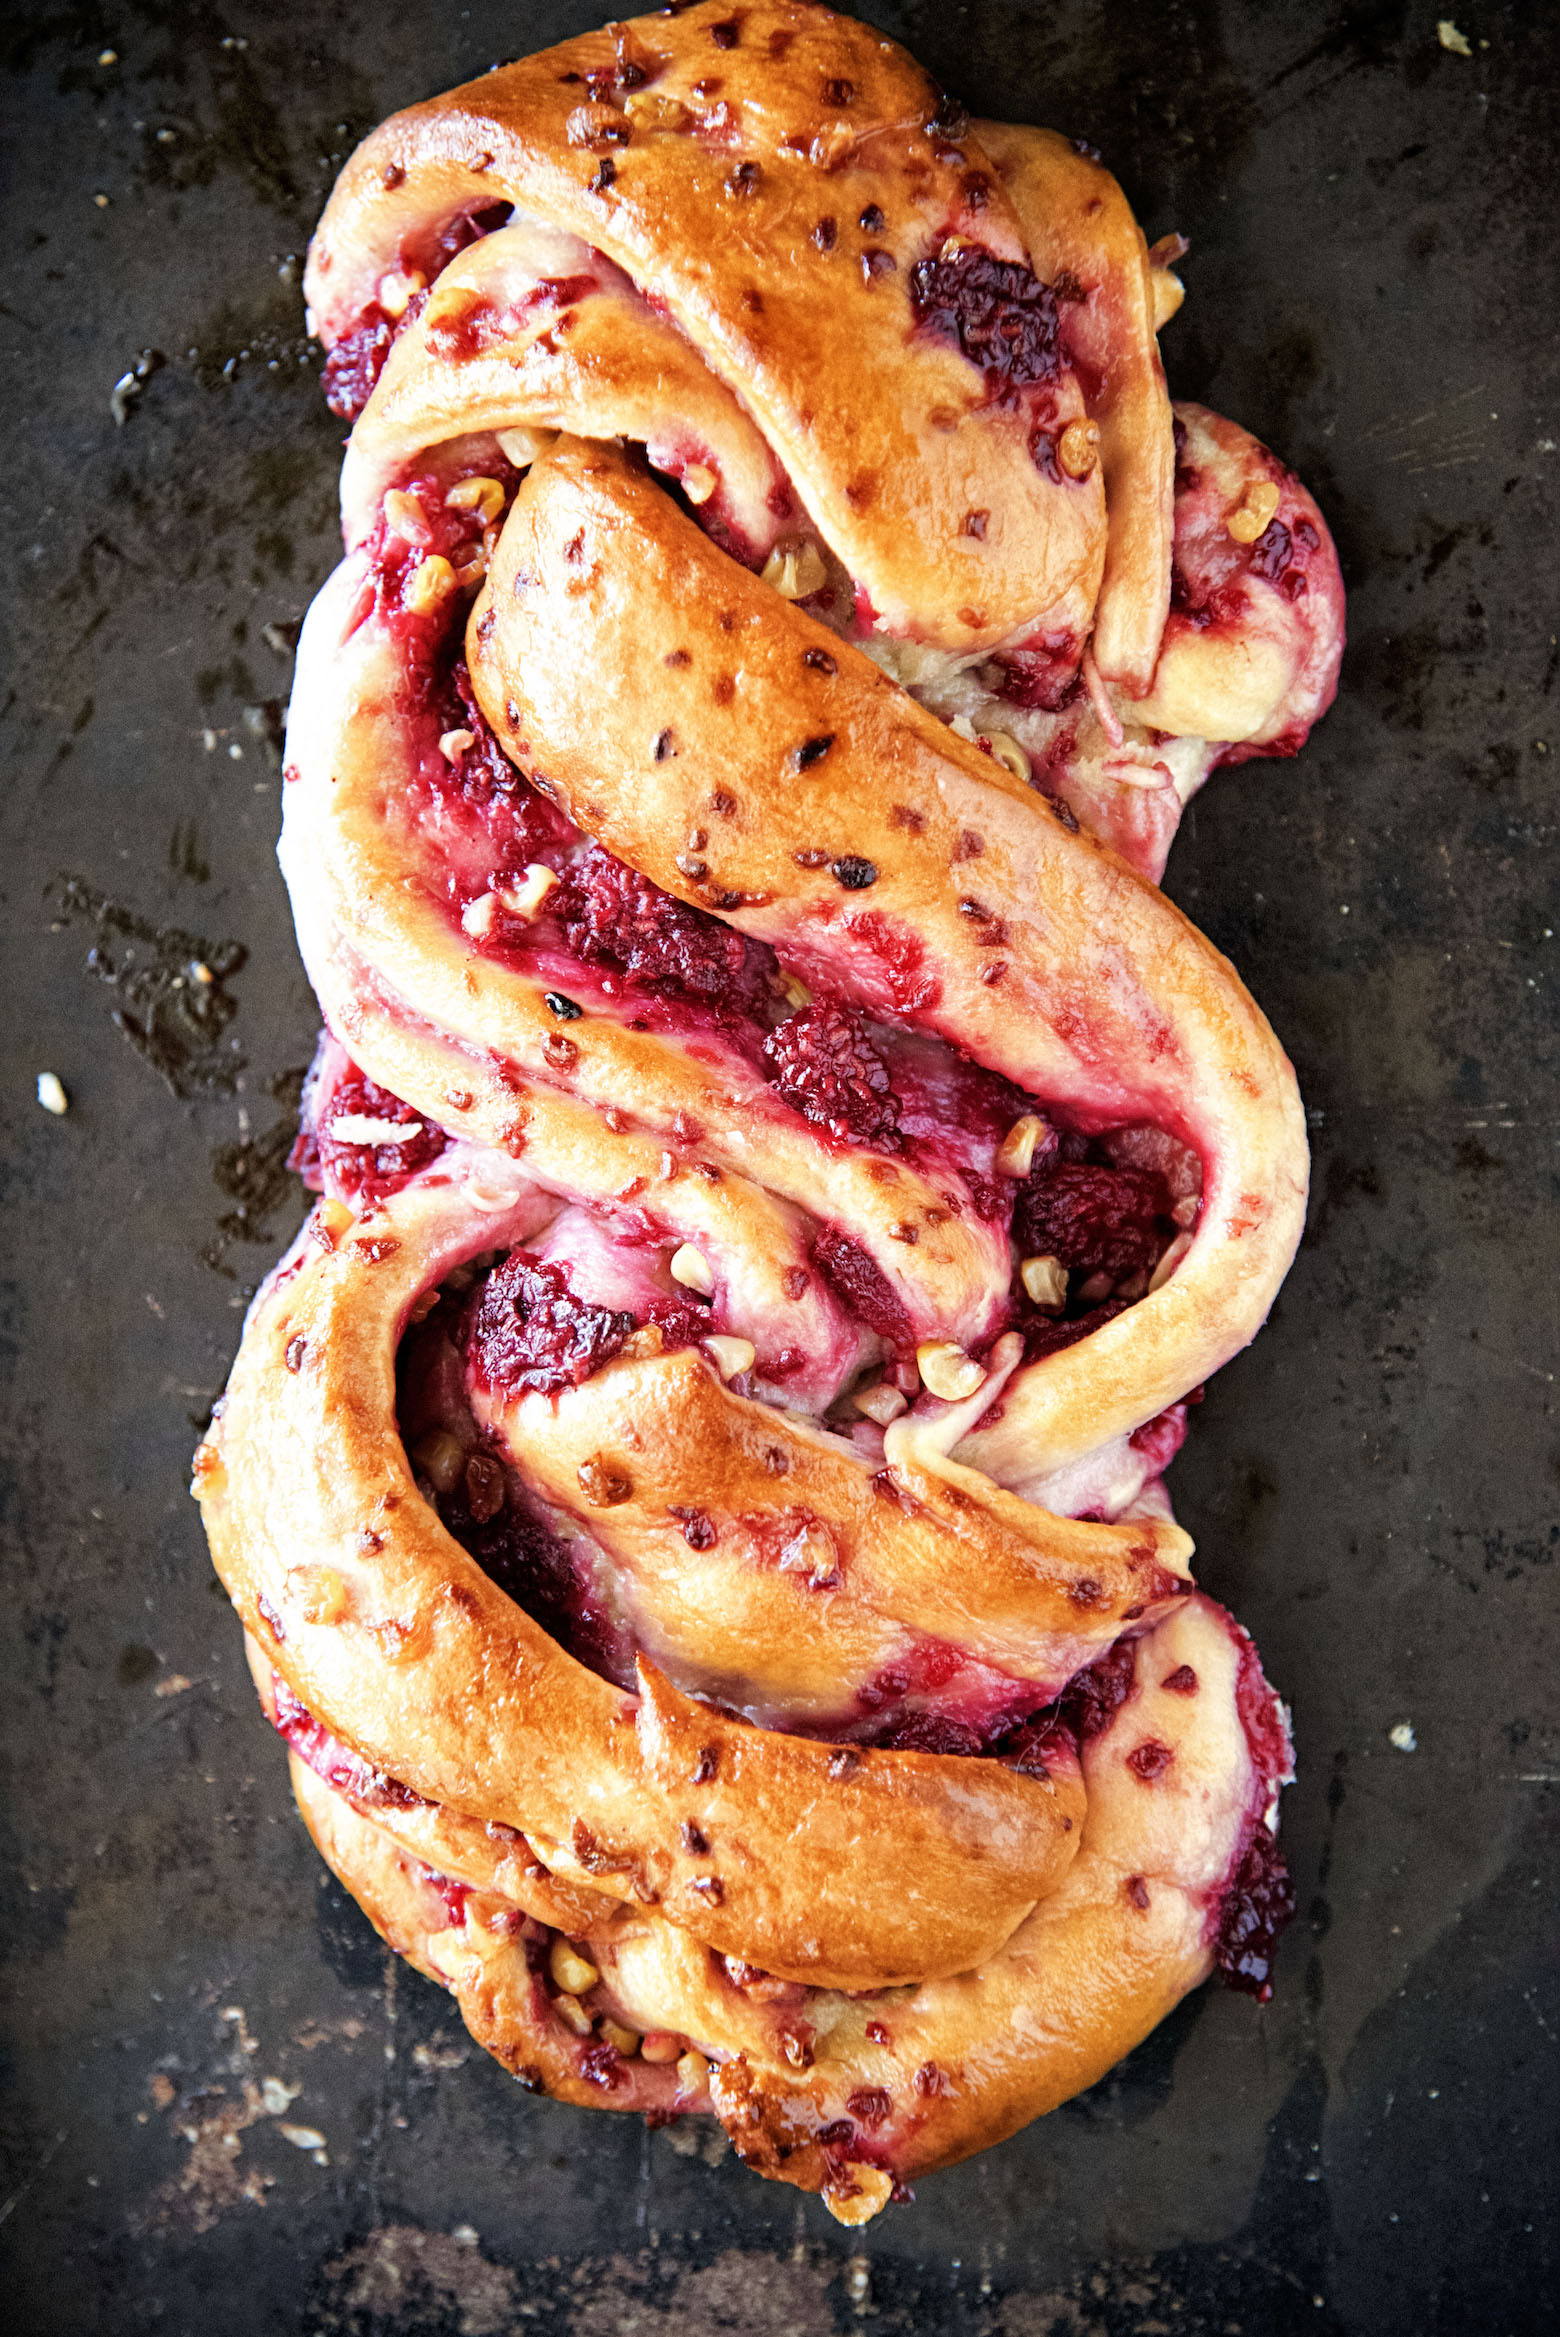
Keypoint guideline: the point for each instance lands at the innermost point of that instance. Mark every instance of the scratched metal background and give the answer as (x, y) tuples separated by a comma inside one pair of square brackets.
[(1373, 1487)]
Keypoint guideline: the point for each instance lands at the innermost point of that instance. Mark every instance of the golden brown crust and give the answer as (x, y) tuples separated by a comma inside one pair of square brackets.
[(1080, 230), (923, 2077), (790, 309), (303, 1478), (907, 1777), (1109, 999)]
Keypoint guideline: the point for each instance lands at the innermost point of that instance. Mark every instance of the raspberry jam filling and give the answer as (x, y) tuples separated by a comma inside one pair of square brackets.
[(357, 357), (997, 313), (527, 888), (355, 1139), (1209, 568)]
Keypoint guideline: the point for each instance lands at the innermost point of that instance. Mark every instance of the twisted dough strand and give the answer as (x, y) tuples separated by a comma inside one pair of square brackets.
[(712, 1570)]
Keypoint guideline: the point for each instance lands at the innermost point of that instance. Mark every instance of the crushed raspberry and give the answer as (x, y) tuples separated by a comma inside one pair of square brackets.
[(1272, 552), (358, 358), (614, 916), (478, 327), (529, 1333), (929, 1732), (862, 1286), (998, 311), (826, 1068), (1160, 1439), (454, 1896), (1091, 1700), (482, 782), (1258, 1903), (1049, 1334), (1086, 1706), (1095, 1220), (366, 1172), (1035, 1748), (1202, 604), (1044, 675), (603, 2065), (540, 1573)]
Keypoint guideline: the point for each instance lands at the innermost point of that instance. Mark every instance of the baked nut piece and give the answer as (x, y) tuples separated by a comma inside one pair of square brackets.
[(694, 1489)]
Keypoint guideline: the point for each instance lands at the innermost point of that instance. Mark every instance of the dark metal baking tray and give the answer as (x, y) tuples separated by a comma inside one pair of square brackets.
[(1372, 1487)]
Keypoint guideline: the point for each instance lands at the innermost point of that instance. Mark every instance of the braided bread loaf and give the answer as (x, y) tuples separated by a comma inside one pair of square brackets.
[(694, 1488)]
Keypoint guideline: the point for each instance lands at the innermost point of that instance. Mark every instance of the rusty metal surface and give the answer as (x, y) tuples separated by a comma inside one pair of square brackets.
[(1372, 289)]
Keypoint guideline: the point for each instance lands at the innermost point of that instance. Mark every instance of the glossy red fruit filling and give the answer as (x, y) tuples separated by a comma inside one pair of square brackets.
[(357, 358), (613, 916), (1049, 1334), (825, 1066), (523, 825), (541, 1574), (1258, 1904), (860, 1284), (469, 331), (1086, 1707), (362, 1172), (929, 1732), (1001, 316), (1095, 1220), (528, 1333), (1043, 674)]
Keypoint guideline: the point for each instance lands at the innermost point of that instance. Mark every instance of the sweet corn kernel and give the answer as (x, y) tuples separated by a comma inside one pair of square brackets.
[(442, 1459), (880, 1402), (482, 495), (1169, 1262), (571, 1971), (1078, 449), (429, 585), (795, 570), (1255, 515), (1007, 751)]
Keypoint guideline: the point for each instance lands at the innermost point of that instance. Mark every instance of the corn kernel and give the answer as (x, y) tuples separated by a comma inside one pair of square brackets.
[(1255, 515), (571, 1971), (1007, 751), (482, 495), (795, 570), (429, 585), (441, 1457), (692, 2072), (1170, 1261), (879, 1402), (1078, 449)]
